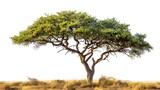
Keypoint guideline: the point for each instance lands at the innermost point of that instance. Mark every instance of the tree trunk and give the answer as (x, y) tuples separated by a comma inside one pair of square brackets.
[(90, 73), (90, 77)]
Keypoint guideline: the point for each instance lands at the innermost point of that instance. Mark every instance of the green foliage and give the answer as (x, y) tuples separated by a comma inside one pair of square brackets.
[(112, 34), (52, 26)]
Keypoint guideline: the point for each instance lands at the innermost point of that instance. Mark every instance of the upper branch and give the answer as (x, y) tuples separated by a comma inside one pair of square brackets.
[(90, 54), (65, 44), (91, 46), (55, 41), (105, 55), (86, 47), (77, 43)]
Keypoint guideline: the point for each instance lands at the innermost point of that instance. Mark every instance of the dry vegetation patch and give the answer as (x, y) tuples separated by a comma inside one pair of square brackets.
[(104, 83)]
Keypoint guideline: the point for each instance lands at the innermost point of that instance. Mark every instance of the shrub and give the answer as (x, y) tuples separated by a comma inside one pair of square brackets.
[(6, 86), (33, 81), (95, 84), (72, 85), (138, 87), (119, 83), (106, 81), (151, 86), (27, 88), (15, 83), (130, 84), (158, 85), (69, 86), (81, 83), (2, 84), (57, 84), (25, 83)]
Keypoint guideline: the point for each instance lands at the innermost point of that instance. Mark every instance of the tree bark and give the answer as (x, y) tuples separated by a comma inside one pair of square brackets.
[(90, 70), (90, 77), (90, 73)]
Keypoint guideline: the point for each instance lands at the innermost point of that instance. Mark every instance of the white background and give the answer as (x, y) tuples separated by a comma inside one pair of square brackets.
[(19, 62)]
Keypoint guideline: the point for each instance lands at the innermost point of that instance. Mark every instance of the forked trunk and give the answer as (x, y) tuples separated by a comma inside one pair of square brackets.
[(90, 73)]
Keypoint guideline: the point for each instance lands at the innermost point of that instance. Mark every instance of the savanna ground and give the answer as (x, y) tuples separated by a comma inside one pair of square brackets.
[(104, 83)]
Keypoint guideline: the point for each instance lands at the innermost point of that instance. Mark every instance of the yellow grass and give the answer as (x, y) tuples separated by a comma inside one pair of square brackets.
[(104, 83)]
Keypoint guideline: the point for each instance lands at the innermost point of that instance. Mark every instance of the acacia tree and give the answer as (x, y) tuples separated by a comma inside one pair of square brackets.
[(80, 33)]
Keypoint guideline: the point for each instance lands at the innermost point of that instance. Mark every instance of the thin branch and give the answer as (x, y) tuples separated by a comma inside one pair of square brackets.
[(66, 52), (61, 50), (90, 55), (66, 42), (72, 46), (93, 60), (85, 48), (103, 57), (94, 63), (77, 43), (66, 46), (91, 43), (50, 41)]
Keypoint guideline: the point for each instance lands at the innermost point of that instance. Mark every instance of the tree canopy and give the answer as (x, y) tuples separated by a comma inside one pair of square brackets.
[(80, 33)]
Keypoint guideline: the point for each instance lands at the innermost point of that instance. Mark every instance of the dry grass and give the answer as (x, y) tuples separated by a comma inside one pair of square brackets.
[(104, 83), (56, 84)]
